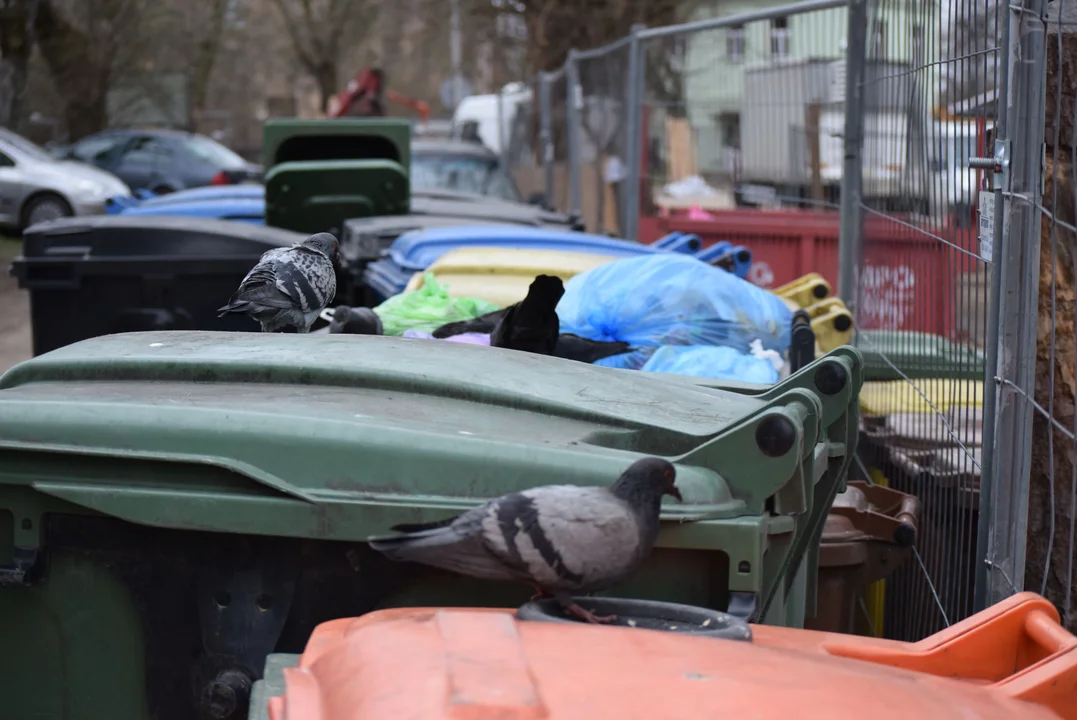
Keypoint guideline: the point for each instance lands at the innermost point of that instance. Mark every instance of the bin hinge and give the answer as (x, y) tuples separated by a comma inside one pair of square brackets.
[(22, 561), (743, 605)]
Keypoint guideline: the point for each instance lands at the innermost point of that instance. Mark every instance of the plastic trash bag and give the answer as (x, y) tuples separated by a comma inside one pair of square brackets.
[(428, 308), (671, 299), (720, 363), (469, 338)]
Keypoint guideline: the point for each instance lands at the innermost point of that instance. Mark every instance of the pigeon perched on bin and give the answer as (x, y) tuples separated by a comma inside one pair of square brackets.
[(562, 539), (289, 286)]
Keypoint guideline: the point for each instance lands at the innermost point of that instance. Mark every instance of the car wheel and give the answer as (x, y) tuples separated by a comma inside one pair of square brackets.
[(44, 208)]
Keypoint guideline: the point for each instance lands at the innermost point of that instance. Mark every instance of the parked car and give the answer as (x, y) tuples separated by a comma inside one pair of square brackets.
[(462, 166), (162, 161), (36, 187)]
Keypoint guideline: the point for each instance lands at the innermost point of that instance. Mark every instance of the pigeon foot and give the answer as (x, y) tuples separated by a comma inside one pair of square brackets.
[(540, 594), (588, 616)]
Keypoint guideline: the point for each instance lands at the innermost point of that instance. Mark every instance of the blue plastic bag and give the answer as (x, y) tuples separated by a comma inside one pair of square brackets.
[(720, 363), (671, 299)]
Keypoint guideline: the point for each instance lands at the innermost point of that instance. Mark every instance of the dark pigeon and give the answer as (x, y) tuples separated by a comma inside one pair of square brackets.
[(483, 324), (574, 347), (289, 286), (531, 325), (562, 539), (355, 321)]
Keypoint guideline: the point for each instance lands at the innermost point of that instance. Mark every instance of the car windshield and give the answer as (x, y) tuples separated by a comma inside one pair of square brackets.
[(214, 153), (462, 174), (24, 146)]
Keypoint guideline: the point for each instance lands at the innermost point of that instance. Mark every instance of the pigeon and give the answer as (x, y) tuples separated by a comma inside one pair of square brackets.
[(355, 321), (574, 347), (562, 539), (483, 324), (531, 325), (289, 286)]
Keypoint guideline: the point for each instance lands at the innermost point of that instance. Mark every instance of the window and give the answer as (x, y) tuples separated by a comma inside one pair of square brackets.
[(146, 152), (5, 161), (736, 42), (212, 152), (95, 149), (462, 174), (878, 40), (23, 146), (779, 37)]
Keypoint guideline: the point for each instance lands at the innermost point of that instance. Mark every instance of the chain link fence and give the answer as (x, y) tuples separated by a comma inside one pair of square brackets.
[(913, 134)]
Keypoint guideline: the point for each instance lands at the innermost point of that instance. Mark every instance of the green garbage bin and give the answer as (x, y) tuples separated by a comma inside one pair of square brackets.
[(175, 506), (918, 354)]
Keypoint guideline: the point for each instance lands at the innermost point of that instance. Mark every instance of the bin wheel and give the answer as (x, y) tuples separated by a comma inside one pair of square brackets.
[(45, 207)]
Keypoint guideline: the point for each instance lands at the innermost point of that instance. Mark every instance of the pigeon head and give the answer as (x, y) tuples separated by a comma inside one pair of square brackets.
[(326, 244), (649, 478)]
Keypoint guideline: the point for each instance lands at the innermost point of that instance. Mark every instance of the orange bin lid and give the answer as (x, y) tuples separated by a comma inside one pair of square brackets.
[(482, 664)]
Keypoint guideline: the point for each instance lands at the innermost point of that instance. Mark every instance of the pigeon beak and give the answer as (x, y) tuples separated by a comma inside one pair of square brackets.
[(676, 493)]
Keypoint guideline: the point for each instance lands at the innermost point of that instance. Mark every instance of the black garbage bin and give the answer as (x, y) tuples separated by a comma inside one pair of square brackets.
[(112, 273)]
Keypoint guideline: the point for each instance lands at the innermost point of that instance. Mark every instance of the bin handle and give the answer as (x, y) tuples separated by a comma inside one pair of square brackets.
[(1016, 646)]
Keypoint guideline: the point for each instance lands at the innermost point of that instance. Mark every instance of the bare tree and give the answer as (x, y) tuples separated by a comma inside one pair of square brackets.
[(16, 46), (204, 23), (87, 45), (321, 30)]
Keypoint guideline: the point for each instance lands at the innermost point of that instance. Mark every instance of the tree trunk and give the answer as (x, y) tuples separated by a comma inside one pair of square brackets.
[(208, 48), (80, 80), (325, 74), (1056, 378), (16, 45)]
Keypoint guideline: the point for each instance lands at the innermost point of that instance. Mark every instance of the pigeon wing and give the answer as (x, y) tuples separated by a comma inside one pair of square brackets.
[(455, 545), (564, 536), (307, 278), (260, 285)]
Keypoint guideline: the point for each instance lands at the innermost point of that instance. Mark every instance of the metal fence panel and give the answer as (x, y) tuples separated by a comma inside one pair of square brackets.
[(922, 291), (603, 115), (744, 110), (922, 122)]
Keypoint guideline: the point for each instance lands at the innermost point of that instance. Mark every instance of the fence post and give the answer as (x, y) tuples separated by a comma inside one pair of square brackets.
[(572, 123), (851, 233), (633, 157), (1001, 546), (546, 135)]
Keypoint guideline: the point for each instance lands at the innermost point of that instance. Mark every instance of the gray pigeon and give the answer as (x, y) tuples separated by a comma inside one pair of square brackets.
[(562, 539), (289, 286)]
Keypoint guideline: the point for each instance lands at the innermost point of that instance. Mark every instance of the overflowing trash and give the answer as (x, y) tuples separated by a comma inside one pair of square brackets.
[(428, 308), (678, 308), (672, 299)]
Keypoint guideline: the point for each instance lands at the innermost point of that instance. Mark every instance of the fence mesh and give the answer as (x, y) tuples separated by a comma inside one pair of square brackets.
[(744, 112), (930, 174), (603, 120), (923, 287)]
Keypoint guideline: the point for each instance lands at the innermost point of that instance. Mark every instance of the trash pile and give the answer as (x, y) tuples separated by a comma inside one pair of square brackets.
[(666, 312), (671, 307)]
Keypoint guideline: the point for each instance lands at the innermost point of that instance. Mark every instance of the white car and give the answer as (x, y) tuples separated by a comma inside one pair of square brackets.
[(36, 187)]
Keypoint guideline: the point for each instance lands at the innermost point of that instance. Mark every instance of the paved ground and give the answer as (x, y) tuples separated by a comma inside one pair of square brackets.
[(15, 344)]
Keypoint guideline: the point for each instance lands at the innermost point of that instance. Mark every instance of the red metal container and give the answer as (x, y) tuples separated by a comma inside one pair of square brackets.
[(911, 275)]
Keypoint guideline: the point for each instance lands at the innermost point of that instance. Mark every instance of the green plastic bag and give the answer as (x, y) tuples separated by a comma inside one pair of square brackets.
[(428, 308)]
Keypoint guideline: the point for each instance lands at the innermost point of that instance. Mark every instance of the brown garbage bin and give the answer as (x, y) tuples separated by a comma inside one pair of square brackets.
[(869, 532)]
